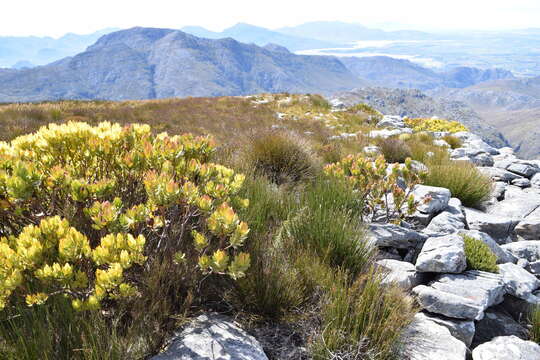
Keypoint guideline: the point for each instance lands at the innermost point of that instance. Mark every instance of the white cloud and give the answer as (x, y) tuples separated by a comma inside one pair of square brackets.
[(56, 17)]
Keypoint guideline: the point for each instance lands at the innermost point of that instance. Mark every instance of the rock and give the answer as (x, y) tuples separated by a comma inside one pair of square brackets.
[(444, 254), (499, 188), (497, 174), (390, 235), (461, 296), (432, 199), (516, 207), (385, 133), (338, 104), (535, 180), (372, 150), (391, 121), (506, 348), (482, 159), (424, 339), (522, 182), (444, 224), (213, 336), (498, 227), (460, 329), (529, 228), (503, 256), (401, 272), (388, 253), (497, 322), (440, 142), (522, 169), (529, 250), (518, 308), (518, 281), (533, 267)]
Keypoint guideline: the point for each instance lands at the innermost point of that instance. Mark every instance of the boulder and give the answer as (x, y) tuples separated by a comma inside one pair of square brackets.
[(516, 206), (523, 169), (503, 256), (498, 227), (213, 336), (460, 329), (497, 322), (506, 348), (424, 339), (391, 121), (518, 281), (461, 296), (441, 142), (482, 159), (529, 228), (497, 174), (444, 254), (447, 222), (499, 188), (390, 235), (432, 199), (385, 133), (535, 180), (372, 150), (533, 267), (401, 272), (522, 183), (528, 250), (518, 308)]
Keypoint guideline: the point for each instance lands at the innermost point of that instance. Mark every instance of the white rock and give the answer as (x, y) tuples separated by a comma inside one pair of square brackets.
[(518, 281), (401, 272), (444, 254), (390, 235), (460, 329), (528, 250), (432, 199), (447, 222), (499, 227), (507, 348)]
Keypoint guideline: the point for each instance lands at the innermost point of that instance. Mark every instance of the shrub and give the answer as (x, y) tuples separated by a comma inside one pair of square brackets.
[(363, 321), (394, 150), (463, 179), (123, 195), (453, 141), (281, 157), (534, 321), (433, 124), (479, 255), (377, 190)]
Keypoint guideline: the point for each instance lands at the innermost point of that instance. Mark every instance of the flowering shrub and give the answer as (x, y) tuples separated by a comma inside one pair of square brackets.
[(81, 207), (421, 124), (378, 189)]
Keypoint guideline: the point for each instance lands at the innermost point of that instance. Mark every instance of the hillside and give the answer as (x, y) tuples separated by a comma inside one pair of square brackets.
[(147, 63), (257, 35), (413, 103), (511, 106)]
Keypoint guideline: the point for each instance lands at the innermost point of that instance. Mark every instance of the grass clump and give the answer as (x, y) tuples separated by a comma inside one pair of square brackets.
[(281, 157), (463, 180), (479, 255), (453, 141), (394, 150), (534, 321)]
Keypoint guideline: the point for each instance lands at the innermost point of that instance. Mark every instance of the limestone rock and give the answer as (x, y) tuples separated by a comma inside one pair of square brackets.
[(506, 348), (499, 227), (213, 336), (390, 235), (432, 199), (461, 296), (447, 222), (445, 254), (460, 329), (518, 281), (497, 322), (497, 174), (529, 250), (401, 272)]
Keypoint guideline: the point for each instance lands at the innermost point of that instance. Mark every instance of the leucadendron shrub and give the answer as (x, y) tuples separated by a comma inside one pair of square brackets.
[(82, 207), (381, 191), (434, 124)]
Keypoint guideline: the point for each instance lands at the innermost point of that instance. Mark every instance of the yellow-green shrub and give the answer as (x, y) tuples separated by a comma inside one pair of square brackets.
[(81, 206), (426, 124), (376, 189), (479, 255)]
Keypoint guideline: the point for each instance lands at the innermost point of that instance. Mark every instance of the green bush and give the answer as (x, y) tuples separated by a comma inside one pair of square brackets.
[(282, 157), (463, 179), (394, 150), (479, 255), (453, 141)]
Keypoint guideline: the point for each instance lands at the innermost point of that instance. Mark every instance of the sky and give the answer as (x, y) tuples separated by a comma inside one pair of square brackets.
[(57, 17)]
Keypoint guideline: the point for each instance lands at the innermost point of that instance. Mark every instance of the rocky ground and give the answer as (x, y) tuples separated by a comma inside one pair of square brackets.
[(465, 313)]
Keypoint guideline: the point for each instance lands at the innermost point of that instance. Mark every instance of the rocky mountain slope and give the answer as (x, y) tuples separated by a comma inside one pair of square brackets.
[(414, 103), (403, 74), (147, 63), (512, 106)]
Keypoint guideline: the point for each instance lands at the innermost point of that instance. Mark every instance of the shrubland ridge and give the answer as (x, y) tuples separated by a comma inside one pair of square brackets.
[(113, 235)]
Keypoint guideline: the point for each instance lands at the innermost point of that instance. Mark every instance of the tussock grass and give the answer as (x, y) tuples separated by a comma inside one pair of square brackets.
[(453, 141), (463, 179), (534, 321), (394, 150)]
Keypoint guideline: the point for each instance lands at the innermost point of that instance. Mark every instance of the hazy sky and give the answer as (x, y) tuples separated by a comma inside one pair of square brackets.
[(56, 17)]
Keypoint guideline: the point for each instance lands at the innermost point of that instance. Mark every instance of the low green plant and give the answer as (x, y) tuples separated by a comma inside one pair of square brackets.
[(463, 180), (479, 255), (281, 156)]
